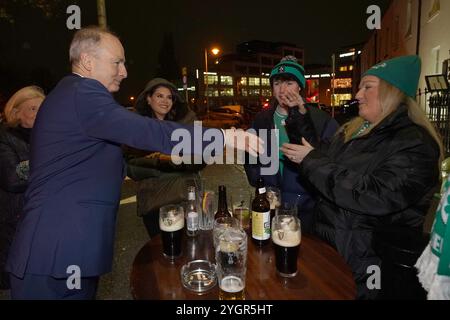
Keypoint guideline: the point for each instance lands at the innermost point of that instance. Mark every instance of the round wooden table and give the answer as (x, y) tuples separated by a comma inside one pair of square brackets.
[(323, 274)]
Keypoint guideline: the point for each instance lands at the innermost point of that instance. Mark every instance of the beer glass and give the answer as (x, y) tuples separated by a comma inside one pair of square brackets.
[(231, 260), (171, 223), (220, 225), (274, 196), (286, 238), (241, 201)]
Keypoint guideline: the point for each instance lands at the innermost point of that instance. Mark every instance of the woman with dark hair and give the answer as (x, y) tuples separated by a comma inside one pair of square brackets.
[(378, 174), (159, 181), (20, 114)]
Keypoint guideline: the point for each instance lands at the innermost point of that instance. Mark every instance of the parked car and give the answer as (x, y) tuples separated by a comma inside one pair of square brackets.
[(222, 113)]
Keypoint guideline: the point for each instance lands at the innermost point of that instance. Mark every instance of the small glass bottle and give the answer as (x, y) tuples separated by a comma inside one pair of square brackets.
[(191, 213)]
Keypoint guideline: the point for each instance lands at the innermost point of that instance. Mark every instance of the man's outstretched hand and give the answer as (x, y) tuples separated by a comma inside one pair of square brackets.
[(241, 140)]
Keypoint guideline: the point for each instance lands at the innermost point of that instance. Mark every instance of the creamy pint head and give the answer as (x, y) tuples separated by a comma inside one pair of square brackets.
[(171, 224), (286, 238)]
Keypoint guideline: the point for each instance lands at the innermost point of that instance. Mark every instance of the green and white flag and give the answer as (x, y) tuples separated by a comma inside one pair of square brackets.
[(434, 264)]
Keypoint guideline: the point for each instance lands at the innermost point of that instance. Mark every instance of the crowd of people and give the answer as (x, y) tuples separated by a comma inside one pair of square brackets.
[(60, 185)]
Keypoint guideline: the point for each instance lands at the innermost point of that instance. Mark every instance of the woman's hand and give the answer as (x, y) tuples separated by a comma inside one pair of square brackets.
[(292, 99), (296, 153)]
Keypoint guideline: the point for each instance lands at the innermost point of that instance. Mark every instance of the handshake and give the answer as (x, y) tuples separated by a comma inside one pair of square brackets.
[(241, 140)]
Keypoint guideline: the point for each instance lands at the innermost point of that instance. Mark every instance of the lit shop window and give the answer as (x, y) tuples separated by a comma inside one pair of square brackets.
[(211, 79), (226, 80), (255, 82), (228, 92)]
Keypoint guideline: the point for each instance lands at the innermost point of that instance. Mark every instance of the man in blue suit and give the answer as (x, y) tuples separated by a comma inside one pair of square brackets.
[(77, 172)]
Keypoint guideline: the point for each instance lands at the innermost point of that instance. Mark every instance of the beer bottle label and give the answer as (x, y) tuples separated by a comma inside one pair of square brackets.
[(192, 221), (261, 225)]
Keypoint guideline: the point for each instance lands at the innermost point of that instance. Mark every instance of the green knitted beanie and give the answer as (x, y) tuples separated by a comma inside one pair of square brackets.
[(402, 72)]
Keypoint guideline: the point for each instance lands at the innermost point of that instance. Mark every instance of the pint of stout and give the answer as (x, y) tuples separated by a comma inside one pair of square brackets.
[(171, 223), (231, 260), (286, 238)]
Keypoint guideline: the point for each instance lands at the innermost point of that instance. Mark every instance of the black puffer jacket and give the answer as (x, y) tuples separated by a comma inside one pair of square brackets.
[(380, 180), (14, 149)]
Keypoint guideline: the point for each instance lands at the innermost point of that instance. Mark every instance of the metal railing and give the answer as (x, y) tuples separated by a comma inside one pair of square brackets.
[(436, 105)]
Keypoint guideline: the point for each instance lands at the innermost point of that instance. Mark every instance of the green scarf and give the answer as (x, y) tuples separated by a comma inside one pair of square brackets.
[(434, 264)]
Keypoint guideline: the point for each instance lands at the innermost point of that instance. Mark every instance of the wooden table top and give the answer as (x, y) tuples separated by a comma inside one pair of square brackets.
[(323, 274)]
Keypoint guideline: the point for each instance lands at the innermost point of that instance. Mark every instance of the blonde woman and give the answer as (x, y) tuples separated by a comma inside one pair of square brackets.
[(379, 171), (20, 113)]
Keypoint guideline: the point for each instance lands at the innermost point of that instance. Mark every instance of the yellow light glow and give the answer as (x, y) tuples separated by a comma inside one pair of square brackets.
[(215, 51)]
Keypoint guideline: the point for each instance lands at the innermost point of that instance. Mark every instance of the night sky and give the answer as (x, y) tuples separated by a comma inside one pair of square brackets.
[(36, 49)]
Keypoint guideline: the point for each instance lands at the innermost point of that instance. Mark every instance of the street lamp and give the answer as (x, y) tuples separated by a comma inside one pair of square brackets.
[(214, 51)]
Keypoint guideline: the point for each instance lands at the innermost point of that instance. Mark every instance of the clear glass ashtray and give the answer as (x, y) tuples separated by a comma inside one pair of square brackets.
[(199, 276)]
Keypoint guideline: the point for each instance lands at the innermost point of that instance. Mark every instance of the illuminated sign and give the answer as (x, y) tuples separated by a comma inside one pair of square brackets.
[(343, 83)]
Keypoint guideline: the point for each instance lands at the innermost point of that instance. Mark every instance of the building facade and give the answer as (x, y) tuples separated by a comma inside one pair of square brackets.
[(242, 78), (413, 27)]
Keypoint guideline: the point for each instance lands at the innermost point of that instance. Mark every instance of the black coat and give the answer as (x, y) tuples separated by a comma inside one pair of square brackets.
[(14, 148), (380, 180)]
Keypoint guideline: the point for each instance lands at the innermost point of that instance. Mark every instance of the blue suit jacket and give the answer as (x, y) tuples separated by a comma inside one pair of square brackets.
[(77, 171)]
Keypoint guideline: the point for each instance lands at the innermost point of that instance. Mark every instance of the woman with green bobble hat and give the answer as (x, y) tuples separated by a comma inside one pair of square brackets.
[(380, 170)]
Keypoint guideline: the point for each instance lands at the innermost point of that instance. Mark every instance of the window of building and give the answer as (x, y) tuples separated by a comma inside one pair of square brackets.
[(342, 83), (265, 82), (350, 68), (211, 79), (266, 93), (343, 69), (435, 9), (226, 80), (243, 81), (409, 19), (244, 92), (255, 82), (227, 92), (254, 92), (212, 92)]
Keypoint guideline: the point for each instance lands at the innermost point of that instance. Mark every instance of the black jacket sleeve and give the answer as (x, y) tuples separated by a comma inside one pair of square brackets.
[(9, 180), (400, 180)]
